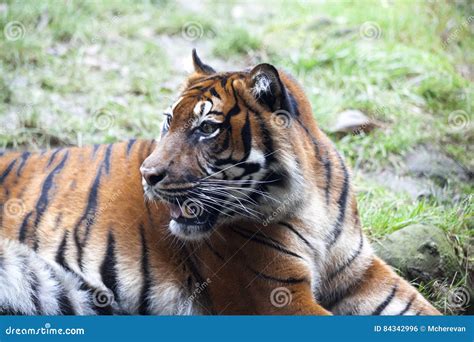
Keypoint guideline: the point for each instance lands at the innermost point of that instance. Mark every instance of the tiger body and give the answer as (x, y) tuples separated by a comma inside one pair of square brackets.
[(279, 217)]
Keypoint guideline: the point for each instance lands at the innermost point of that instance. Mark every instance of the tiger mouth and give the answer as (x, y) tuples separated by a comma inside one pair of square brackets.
[(190, 220)]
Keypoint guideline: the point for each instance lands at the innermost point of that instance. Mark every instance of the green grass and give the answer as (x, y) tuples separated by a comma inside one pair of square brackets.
[(95, 72)]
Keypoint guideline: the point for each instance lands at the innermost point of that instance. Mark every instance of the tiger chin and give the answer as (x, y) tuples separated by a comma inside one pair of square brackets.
[(245, 197)]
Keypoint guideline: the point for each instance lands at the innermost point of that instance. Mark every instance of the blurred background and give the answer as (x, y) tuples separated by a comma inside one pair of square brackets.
[(390, 81)]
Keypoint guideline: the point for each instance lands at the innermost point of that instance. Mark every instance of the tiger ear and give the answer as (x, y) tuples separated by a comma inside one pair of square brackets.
[(200, 67), (267, 87)]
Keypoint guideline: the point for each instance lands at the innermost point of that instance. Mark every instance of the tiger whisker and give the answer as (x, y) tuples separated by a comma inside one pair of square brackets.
[(234, 209), (222, 190), (262, 193), (206, 199), (243, 199)]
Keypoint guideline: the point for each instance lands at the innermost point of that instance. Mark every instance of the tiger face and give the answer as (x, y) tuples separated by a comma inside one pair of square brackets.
[(220, 155)]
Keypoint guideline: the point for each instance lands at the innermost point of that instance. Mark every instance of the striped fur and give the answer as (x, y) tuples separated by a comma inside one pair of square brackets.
[(30, 285), (274, 210)]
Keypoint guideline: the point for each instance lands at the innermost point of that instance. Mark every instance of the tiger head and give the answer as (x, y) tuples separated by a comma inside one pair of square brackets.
[(228, 150)]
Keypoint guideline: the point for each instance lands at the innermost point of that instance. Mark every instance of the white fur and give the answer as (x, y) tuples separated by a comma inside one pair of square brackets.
[(261, 86)]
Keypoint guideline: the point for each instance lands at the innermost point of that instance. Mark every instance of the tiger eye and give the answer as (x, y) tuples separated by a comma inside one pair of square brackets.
[(208, 127)]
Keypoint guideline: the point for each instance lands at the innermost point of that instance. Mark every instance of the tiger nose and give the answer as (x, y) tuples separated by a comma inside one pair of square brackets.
[(152, 176)]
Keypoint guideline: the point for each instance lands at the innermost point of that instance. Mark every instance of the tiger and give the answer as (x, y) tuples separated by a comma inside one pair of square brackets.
[(241, 205)]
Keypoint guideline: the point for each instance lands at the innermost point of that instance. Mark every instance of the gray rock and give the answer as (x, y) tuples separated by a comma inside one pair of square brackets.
[(426, 161), (353, 121), (420, 252), (416, 188)]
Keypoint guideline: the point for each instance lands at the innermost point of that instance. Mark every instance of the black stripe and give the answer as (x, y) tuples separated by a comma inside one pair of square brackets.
[(327, 168), (43, 200), (24, 227), (326, 162), (387, 301), (267, 139), (130, 145), (7, 171), (216, 253), (290, 280), (106, 162), (88, 218), (349, 261), (270, 244), (53, 156), (95, 148), (214, 92), (144, 296), (407, 307), (290, 227), (203, 170), (35, 287), (342, 202), (60, 254), (24, 158), (260, 235), (10, 312), (108, 269), (65, 305)]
